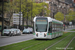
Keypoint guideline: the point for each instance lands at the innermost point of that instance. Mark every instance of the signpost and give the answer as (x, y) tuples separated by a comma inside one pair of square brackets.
[(2, 17)]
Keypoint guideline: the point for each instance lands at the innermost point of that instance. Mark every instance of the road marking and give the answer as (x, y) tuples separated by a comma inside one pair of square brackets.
[(56, 42), (69, 43)]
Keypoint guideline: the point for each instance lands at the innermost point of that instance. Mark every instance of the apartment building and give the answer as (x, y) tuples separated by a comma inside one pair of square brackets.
[(71, 4), (56, 6), (15, 18)]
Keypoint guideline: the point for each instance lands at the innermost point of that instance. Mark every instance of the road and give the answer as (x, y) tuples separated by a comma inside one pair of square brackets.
[(70, 28), (6, 40)]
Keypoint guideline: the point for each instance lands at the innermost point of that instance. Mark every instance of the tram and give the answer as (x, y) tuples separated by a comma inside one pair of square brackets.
[(47, 28)]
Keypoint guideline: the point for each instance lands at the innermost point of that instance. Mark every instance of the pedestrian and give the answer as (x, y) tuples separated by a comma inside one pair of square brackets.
[(64, 26), (10, 34)]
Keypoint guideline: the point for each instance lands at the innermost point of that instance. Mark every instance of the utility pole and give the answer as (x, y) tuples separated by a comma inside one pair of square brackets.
[(27, 17), (52, 9), (42, 9), (20, 15), (27, 13), (2, 17), (23, 22)]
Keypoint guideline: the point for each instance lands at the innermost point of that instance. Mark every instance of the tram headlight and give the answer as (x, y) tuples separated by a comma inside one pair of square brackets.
[(45, 34), (36, 34)]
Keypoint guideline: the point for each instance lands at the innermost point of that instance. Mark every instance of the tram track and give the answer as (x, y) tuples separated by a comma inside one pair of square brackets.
[(31, 46), (45, 44), (56, 42), (69, 43)]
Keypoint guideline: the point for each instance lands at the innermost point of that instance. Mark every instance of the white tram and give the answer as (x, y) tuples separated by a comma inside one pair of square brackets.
[(47, 28)]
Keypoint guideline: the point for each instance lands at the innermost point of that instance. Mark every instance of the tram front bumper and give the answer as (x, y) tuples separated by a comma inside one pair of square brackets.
[(39, 37)]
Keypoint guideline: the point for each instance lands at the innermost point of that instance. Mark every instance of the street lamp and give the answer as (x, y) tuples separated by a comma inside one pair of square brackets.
[(2, 17), (52, 9), (27, 13), (27, 17), (42, 9)]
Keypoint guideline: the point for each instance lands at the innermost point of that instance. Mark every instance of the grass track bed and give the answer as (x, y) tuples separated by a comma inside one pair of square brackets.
[(39, 44), (72, 45), (63, 43), (20, 46), (46, 44)]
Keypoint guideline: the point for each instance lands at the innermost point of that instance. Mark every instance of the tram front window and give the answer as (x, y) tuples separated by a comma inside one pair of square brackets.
[(41, 25)]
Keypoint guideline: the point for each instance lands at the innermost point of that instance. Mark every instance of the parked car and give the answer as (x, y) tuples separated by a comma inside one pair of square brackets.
[(26, 31), (16, 32), (6, 32), (31, 30), (19, 32)]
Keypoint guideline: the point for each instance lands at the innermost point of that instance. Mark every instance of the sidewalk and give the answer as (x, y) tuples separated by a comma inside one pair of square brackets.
[(69, 28)]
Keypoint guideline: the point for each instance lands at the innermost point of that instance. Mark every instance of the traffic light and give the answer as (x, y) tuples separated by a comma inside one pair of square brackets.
[(73, 1)]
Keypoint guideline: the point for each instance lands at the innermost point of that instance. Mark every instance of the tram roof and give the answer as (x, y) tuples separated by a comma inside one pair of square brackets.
[(54, 20), (49, 19)]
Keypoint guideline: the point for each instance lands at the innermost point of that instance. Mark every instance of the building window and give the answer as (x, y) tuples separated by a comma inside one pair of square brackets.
[(44, 0)]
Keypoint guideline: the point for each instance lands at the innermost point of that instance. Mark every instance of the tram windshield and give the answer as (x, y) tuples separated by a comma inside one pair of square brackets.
[(41, 24)]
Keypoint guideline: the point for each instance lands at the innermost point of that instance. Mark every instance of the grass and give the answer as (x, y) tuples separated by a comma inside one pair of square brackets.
[(41, 44), (63, 43), (72, 45), (73, 30)]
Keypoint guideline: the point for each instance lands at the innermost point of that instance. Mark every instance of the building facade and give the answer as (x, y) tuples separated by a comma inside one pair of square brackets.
[(56, 6), (15, 19)]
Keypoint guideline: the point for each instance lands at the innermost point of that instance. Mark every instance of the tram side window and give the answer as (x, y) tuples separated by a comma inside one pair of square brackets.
[(50, 27), (59, 27), (53, 27), (56, 27)]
